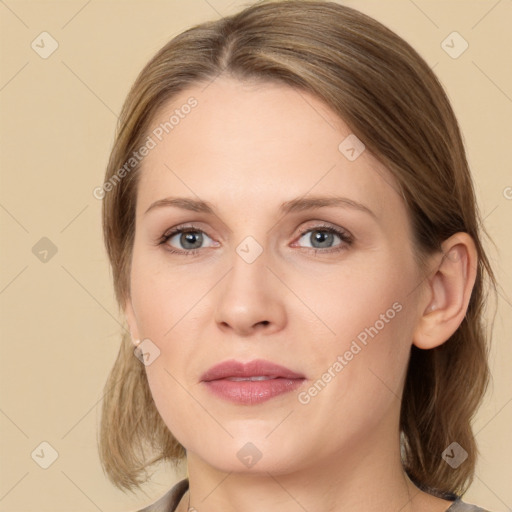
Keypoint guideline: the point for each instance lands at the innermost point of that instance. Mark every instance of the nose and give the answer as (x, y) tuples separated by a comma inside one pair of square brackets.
[(250, 299)]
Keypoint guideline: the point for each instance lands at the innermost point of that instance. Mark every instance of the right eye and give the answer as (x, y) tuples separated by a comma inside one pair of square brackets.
[(189, 240)]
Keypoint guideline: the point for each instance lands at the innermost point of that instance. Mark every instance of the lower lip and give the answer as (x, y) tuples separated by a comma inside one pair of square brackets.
[(249, 392)]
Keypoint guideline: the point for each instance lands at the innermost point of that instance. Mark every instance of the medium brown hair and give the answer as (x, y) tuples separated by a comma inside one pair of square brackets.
[(392, 101)]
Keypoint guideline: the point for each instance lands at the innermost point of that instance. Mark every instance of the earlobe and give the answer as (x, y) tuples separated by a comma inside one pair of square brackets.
[(450, 290)]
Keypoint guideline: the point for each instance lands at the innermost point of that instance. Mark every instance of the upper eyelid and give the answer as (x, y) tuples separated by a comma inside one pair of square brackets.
[(192, 227)]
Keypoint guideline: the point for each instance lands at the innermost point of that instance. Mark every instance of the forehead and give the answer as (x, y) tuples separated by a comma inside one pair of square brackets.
[(257, 144)]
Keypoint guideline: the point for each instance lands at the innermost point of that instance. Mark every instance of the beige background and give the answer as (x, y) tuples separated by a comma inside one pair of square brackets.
[(60, 330)]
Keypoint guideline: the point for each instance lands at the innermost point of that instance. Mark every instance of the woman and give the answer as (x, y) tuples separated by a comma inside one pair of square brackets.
[(294, 240)]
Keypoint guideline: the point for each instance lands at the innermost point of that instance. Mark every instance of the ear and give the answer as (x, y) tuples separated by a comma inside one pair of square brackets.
[(449, 291), (129, 313)]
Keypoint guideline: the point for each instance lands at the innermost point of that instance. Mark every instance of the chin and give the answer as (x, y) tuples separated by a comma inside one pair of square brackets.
[(255, 454)]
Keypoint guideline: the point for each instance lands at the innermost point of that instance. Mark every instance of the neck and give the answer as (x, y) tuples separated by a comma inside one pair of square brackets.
[(370, 478)]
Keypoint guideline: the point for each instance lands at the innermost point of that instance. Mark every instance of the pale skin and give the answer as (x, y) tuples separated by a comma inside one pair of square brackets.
[(246, 149)]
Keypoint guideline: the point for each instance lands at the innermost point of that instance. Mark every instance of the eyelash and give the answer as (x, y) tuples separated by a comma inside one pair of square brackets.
[(344, 236)]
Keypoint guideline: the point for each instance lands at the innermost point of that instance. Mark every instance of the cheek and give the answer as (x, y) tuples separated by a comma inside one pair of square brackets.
[(357, 385), (162, 297), (363, 301), (173, 401), (361, 364), (165, 303)]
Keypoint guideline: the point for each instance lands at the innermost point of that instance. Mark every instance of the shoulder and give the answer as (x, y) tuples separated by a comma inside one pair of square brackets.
[(460, 506), (169, 501)]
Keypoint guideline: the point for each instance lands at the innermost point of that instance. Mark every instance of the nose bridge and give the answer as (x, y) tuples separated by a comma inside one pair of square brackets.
[(249, 273), (250, 250), (249, 296)]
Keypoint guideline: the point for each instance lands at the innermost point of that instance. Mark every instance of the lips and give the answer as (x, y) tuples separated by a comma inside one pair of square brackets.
[(256, 368), (250, 383)]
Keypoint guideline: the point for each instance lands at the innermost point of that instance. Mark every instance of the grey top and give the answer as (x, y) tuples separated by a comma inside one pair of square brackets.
[(170, 500)]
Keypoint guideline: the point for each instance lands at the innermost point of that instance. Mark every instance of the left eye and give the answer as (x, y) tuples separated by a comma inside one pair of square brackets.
[(322, 238)]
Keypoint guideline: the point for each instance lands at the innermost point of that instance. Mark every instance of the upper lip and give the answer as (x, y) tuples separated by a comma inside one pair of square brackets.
[(255, 368)]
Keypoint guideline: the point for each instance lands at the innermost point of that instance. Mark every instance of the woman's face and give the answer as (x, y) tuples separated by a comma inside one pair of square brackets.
[(262, 276)]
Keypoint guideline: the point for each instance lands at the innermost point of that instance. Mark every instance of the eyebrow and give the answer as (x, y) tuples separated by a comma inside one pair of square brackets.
[(295, 205)]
